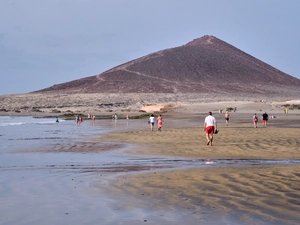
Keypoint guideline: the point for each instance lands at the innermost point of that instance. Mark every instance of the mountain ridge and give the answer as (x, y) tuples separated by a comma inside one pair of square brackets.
[(203, 65)]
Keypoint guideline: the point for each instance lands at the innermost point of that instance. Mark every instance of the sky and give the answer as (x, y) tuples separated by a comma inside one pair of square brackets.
[(45, 42)]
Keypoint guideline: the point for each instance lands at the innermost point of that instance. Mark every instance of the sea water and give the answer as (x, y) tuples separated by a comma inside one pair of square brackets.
[(18, 133), (23, 140)]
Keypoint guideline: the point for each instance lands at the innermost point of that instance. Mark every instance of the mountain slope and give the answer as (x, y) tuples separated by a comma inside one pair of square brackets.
[(204, 65)]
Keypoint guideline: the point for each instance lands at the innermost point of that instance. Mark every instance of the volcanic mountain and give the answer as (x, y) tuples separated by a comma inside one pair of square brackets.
[(204, 65)]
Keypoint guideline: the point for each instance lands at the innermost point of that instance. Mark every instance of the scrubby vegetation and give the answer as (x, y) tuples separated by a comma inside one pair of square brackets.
[(35, 110), (139, 116), (229, 109), (55, 111), (291, 106)]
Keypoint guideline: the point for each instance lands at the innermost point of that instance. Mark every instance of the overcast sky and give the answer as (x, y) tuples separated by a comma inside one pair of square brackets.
[(46, 42)]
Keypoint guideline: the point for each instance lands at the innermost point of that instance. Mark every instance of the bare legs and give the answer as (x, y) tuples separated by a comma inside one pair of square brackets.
[(226, 120), (209, 138), (151, 126), (265, 123)]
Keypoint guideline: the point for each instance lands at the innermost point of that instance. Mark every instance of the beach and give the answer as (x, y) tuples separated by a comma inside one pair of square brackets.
[(128, 174), (251, 174)]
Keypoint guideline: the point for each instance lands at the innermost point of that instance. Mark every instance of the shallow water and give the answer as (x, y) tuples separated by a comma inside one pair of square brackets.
[(30, 133)]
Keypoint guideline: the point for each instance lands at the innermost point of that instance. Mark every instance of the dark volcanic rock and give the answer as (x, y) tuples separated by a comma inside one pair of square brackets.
[(204, 65)]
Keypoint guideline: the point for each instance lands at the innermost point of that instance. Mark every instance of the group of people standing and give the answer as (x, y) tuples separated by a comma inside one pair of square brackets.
[(210, 124), (265, 118), (159, 121), (78, 119), (93, 117)]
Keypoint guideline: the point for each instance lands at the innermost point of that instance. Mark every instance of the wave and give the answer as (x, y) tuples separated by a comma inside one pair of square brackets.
[(18, 121)]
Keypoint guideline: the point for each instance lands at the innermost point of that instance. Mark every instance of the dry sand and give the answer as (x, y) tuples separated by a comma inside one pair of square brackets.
[(246, 194)]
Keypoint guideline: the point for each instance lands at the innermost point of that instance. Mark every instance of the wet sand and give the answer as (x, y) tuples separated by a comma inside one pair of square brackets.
[(230, 193), (223, 195)]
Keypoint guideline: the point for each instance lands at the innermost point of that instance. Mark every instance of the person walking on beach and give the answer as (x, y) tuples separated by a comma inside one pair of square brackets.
[(255, 119), (159, 122), (227, 116), (57, 120), (210, 126), (265, 118), (151, 121)]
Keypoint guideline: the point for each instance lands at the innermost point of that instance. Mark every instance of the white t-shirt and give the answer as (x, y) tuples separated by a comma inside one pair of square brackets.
[(152, 119), (210, 120)]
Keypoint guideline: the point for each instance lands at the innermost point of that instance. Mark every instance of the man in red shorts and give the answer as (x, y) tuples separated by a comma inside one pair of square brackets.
[(265, 118), (210, 125)]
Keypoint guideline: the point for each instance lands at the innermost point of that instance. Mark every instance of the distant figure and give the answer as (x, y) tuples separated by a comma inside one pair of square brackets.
[(127, 117), (80, 119), (227, 116), (255, 119), (114, 117), (210, 126), (57, 120), (77, 119), (265, 118), (89, 116), (151, 121), (159, 122), (93, 117)]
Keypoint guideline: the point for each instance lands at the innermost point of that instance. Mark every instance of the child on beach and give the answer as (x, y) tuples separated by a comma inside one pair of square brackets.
[(159, 122), (151, 122), (255, 119)]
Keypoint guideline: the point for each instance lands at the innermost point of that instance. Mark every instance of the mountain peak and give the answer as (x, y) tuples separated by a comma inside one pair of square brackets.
[(204, 65), (206, 39)]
